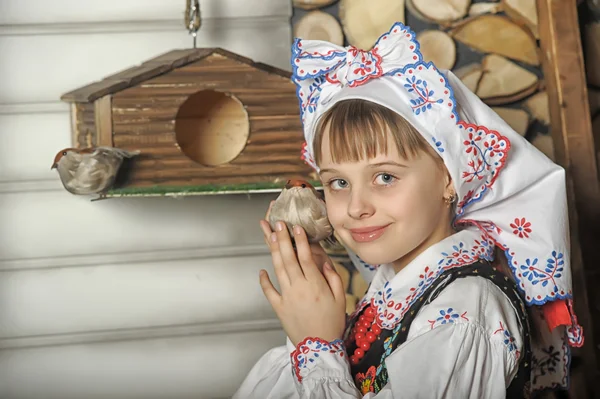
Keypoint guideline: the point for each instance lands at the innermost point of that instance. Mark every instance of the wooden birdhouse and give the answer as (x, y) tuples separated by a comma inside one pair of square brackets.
[(205, 120)]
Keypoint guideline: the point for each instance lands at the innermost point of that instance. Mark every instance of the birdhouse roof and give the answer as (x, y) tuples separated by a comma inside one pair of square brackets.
[(154, 67)]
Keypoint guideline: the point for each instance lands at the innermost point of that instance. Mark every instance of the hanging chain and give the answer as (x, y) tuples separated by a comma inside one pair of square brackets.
[(192, 17)]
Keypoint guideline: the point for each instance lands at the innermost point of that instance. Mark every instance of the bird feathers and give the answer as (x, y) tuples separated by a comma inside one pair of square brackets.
[(300, 206), (90, 170)]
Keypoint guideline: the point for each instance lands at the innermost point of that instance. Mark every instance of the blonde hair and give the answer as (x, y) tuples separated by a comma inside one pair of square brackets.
[(358, 129)]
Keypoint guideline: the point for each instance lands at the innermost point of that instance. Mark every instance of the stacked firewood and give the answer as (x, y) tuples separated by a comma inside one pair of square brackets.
[(492, 46)]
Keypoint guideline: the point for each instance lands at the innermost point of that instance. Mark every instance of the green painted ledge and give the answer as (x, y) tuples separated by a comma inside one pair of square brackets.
[(206, 189)]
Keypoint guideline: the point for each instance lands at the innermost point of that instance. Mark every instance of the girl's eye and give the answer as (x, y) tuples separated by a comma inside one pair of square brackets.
[(385, 178), (338, 184)]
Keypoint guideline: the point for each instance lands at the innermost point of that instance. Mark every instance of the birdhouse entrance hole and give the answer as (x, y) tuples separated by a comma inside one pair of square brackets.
[(212, 128)]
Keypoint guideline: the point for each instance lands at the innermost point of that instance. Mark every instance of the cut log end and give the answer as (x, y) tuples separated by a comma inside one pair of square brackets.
[(524, 12), (344, 274), (518, 119), (484, 8), (351, 302), (359, 285), (318, 25), (438, 47), (544, 143), (442, 11), (538, 107), (364, 22), (497, 34), (470, 75), (504, 81), (312, 4)]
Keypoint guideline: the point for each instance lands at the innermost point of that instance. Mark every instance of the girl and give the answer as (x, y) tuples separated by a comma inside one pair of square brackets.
[(422, 183)]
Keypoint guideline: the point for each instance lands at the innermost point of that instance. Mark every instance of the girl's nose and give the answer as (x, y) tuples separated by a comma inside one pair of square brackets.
[(360, 207)]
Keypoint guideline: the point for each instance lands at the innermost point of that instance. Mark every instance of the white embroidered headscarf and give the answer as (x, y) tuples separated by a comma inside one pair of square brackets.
[(509, 194)]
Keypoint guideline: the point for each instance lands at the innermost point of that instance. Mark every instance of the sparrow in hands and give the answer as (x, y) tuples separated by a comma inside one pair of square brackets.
[(90, 170), (299, 204)]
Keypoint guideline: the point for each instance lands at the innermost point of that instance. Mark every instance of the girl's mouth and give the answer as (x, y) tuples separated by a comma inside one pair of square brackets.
[(367, 234)]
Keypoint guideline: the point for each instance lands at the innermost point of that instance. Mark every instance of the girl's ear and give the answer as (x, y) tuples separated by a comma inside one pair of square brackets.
[(449, 191)]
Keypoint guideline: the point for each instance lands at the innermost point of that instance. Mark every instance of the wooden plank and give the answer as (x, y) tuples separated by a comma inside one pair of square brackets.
[(563, 66), (103, 117), (85, 131), (74, 124)]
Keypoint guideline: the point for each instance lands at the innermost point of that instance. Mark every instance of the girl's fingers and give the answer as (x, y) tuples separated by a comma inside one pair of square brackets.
[(278, 264), (288, 255), (335, 282), (305, 256), (269, 290), (266, 229)]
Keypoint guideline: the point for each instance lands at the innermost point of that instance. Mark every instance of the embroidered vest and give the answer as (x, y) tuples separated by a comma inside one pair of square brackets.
[(370, 373)]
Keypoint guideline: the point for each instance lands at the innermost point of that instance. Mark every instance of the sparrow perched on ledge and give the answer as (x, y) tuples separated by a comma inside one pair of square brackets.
[(90, 170), (300, 204)]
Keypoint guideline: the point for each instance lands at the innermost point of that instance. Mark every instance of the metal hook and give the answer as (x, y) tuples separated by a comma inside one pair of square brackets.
[(192, 17)]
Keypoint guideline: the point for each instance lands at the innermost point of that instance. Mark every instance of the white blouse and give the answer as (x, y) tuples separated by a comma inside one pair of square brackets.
[(465, 343)]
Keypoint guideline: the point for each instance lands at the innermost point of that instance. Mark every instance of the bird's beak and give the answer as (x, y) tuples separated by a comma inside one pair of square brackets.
[(54, 165), (288, 184)]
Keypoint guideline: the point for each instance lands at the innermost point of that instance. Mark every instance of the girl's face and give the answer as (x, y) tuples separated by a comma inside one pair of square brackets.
[(387, 209)]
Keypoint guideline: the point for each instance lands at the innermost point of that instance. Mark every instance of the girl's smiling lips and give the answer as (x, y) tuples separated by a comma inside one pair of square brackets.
[(367, 234)]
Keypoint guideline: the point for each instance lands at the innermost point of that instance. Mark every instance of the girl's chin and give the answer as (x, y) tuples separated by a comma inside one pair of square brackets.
[(376, 258)]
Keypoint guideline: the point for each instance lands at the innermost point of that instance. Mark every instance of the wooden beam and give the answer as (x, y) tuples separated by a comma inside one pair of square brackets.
[(564, 72), (104, 123)]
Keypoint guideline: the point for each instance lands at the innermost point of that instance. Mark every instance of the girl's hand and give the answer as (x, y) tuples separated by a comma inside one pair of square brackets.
[(311, 303), (319, 255)]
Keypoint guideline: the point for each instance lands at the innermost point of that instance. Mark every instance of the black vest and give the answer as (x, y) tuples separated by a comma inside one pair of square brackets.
[(371, 371)]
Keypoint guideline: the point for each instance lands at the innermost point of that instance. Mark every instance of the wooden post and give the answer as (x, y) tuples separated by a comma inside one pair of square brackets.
[(564, 72)]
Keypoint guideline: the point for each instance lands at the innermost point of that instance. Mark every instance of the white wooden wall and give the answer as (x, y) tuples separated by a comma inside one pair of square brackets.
[(124, 298)]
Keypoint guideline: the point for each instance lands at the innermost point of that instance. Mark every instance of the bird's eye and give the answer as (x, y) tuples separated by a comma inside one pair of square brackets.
[(64, 153), (303, 185)]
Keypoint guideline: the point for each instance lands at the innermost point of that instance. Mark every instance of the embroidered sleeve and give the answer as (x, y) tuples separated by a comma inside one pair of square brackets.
[(317, 364)]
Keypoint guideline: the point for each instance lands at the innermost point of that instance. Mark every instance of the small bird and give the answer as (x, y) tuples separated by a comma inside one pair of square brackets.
[(300, 204), (90, 170)]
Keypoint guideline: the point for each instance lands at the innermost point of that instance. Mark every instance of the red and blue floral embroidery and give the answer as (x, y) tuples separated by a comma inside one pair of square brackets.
[(448, 316), (521, 227), (438, 144), (486, 152), (423, 96), (307, 156), (390, 311), (537, 275), (509, 340), (309, 350)]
